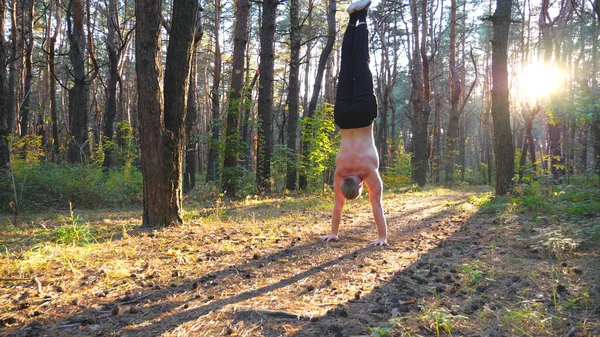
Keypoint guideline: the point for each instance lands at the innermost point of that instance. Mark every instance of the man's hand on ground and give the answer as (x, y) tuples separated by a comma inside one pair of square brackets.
[(330, 237), (379, 242)]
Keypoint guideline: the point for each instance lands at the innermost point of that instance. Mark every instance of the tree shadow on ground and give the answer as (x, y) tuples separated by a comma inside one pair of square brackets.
[(433, 267)]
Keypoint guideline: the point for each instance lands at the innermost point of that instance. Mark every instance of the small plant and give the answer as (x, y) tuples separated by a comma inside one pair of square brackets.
[(380, 332), (76, 233), (472, 272)]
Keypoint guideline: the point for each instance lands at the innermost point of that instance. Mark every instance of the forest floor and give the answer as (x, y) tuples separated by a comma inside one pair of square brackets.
[(458, 264)]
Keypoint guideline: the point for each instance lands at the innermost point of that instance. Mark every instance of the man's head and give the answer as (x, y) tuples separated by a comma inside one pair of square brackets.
[(351, 187)]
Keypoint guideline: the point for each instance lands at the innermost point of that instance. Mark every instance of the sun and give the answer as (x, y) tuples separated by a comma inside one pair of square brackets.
[(539, 80)]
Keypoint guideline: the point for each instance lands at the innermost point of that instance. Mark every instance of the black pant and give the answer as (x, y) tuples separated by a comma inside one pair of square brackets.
[(355, 104)]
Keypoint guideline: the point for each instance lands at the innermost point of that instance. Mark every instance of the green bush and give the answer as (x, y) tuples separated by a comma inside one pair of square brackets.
[(46, 185)]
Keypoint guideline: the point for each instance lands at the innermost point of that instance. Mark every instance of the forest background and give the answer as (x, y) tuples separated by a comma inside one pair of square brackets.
[(109, 106), (72, 94)]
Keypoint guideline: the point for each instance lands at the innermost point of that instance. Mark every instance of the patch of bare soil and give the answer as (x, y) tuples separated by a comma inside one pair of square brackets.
[(449, 270)]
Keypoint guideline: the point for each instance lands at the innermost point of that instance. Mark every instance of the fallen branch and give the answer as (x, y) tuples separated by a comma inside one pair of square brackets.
[(39, 285), (281, 314)]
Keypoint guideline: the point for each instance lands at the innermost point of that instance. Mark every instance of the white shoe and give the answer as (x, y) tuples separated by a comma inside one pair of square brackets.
[(357, 6)]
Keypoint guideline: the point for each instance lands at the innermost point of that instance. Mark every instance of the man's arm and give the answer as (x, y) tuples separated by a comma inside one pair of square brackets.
[(336, 215), (375, 186)]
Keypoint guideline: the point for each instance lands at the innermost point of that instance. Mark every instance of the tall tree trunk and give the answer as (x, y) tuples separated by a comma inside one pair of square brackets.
[(215, 129), (265, 95), (528, 146), (191, 144), (4, 132), (111, 87), (503, 141), (51, 67), (455, 92), (308, 59), (233, 145), (27, 38), (162, 138), (247, 120), (12, 68), (312, 106), (595, 127), (419, 97), (293, 95), (78, 117)]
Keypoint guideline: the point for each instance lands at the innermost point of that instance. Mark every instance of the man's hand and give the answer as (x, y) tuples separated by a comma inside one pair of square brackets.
[(379, 242), (330, 237)]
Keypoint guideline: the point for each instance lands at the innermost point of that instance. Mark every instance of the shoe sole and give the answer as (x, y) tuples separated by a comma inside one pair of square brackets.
[(357, 6)]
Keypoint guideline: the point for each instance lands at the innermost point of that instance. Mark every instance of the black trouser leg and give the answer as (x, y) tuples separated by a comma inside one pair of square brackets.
[(345, 87), (355, 105)]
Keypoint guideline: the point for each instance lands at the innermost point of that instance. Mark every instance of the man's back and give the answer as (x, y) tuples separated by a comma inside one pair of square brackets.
[(357, 154)]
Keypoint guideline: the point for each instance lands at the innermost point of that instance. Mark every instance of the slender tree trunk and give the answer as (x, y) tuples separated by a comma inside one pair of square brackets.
[(52, 84), (293, 95), (312, 106), (503, 141), (265, 95), (215, 129), (27, 37), (111, 87), (191, 118), (4, 132), (191, 162), (528, 145), (233, 145), (12, 68), (455, 92)]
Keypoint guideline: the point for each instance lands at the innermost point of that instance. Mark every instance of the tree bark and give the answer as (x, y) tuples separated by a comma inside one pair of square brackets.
[(52, 84), (419, 98), (191, 144), (12, 68), (162, 138), (215, 129), (265, 96), (503, 141), (78, 117), (27, 38), (528, 146), (293, 95), (455, 92), (111, 87), (233, 146)]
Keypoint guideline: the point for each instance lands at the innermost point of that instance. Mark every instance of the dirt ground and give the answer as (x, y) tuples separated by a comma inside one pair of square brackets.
[(260, 270)]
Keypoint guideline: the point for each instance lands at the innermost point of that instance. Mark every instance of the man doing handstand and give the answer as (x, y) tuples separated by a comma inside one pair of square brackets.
[(355, 109)]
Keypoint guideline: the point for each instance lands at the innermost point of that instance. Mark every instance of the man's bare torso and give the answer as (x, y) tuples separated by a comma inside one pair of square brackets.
[(357, 154)]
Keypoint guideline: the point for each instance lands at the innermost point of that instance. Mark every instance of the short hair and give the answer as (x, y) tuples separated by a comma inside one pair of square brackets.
[(351, 188)]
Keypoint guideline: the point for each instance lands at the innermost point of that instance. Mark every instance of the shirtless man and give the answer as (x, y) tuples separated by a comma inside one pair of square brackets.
[(355, 109)]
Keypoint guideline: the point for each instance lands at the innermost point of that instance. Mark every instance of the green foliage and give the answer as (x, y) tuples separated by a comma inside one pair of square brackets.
[(279, 161), (380, 332), (75, 233), (319, 132), (399, 171), (472, 272), (568, 213), (47, 185)]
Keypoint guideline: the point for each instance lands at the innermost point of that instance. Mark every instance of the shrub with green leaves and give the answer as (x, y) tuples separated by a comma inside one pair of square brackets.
[(46, 185), (319, 132)]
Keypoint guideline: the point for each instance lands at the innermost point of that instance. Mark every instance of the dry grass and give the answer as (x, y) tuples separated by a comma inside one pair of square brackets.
[(257, 268)]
